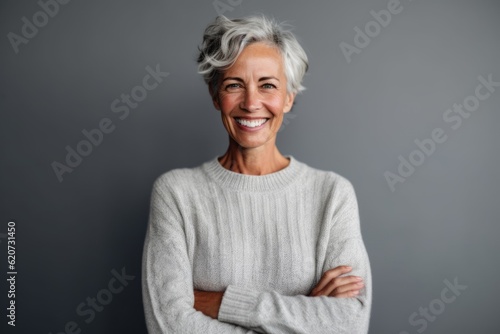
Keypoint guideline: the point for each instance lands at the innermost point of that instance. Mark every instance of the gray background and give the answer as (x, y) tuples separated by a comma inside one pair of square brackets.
[(355, 119)]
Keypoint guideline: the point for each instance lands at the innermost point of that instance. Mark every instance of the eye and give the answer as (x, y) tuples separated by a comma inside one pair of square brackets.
[(233, 86), (268, 86)]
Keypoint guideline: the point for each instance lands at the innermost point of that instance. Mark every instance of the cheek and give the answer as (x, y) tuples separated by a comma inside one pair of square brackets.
[(276, 105), (228, 103)]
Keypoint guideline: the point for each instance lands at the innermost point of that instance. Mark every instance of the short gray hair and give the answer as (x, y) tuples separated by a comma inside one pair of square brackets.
[(225, 39)]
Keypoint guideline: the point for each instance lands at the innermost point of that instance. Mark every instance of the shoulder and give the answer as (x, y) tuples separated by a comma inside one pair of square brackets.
[(328, 180), (180, 178), (338, 198)]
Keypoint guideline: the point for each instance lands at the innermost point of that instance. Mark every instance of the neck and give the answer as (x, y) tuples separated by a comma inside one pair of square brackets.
[(253, 161)]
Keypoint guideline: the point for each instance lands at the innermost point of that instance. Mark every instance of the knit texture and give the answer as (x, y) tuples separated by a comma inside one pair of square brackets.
[(264, 240)]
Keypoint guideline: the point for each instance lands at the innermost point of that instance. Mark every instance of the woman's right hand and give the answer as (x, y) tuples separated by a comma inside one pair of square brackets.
[(333, 285)]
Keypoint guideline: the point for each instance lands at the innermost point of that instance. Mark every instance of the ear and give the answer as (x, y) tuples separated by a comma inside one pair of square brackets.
[(290, 97), (215, 98)]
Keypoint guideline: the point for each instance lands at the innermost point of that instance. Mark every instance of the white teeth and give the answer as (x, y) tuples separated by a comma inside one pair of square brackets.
[(251, 124)]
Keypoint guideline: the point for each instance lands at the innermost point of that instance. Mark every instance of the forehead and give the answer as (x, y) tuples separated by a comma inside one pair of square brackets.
[(257, 58)]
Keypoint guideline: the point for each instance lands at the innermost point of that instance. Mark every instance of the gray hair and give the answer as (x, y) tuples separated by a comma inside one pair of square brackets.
[(225, 39)]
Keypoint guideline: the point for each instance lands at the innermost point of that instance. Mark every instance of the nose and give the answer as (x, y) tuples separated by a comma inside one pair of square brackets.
[(251, 100)]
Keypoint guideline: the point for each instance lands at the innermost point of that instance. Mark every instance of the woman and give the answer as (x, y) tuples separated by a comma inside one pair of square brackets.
[(254, 241)]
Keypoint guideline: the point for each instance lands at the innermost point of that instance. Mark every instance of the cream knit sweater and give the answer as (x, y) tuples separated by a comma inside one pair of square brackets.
[(264, 240)]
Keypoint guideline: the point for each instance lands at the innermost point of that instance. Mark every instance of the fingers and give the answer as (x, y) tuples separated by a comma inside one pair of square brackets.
[(341, 285), (351, 288), (348, 294), (332, 284), (330, 275)]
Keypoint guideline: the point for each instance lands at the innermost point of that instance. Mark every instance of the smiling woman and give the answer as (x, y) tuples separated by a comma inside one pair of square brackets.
[(253, 98), (254, 241)]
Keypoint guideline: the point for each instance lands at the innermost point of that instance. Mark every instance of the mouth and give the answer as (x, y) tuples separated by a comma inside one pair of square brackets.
[(251, 123)]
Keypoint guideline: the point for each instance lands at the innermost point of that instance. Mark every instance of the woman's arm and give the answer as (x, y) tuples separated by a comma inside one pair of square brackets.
[(332, 284), (167, 274), (271, 312)]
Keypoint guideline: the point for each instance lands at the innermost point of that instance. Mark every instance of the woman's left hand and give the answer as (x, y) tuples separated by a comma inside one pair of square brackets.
[(332, 284), (208, 302)]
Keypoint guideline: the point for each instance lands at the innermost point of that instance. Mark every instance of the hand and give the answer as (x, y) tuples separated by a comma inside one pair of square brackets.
[(332, 285), (208, 302)]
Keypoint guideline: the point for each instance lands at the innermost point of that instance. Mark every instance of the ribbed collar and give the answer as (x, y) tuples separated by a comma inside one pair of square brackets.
[(274, 181)]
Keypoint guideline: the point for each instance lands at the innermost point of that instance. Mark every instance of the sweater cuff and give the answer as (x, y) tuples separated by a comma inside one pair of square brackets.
[(237, 306)]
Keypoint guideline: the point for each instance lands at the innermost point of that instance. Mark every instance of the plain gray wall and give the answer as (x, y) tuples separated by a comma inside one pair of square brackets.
[(355, 118)]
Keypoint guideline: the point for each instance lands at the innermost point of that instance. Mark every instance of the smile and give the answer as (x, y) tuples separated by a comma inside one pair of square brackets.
[(251, 123)]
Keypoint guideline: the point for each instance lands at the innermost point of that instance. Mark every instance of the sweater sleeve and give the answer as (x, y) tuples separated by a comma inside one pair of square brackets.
[(167, 282), (272, 312)]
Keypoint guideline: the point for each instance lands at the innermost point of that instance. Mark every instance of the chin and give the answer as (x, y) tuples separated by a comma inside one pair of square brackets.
[(252, 143)]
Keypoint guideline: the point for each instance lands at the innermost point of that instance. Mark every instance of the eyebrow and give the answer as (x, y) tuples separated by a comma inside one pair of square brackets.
[(260, 79)]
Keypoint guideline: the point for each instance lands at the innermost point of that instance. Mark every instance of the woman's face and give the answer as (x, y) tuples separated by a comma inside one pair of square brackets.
[(252, 96)]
